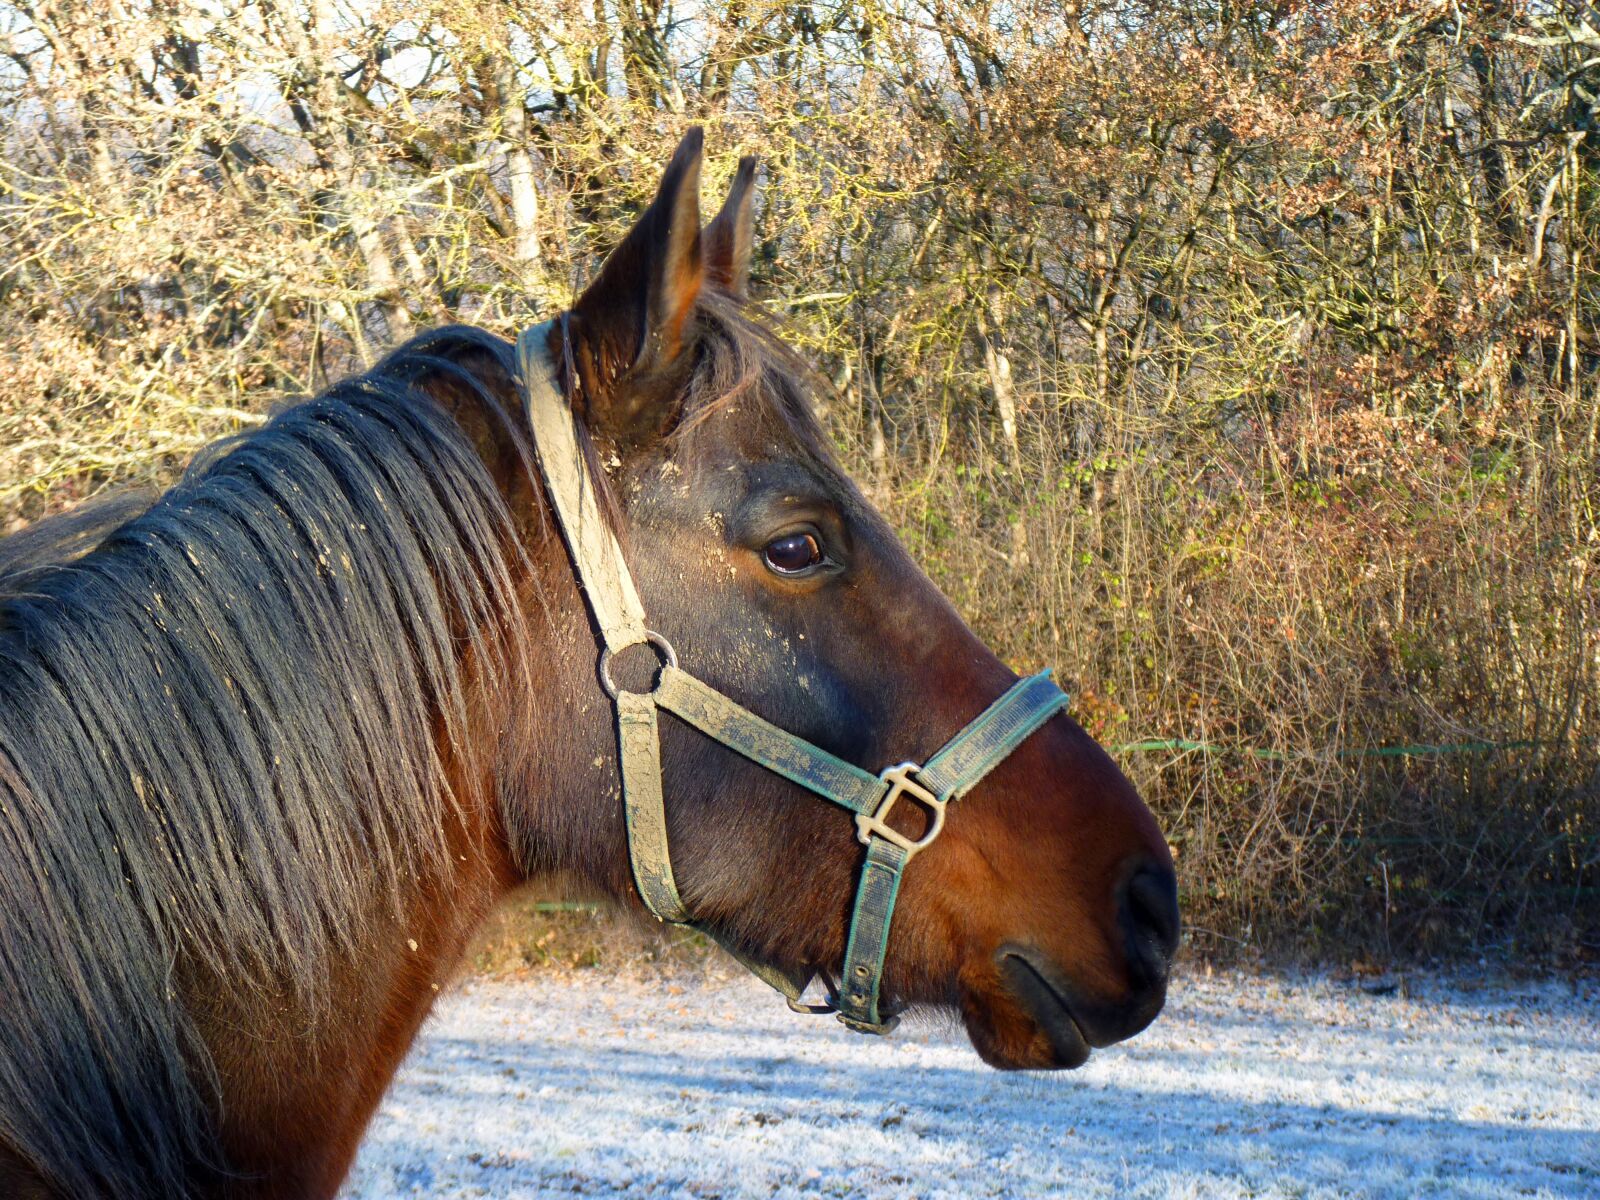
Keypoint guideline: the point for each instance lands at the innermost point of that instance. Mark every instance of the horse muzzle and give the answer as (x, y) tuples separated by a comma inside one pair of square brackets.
[(1067, 1020)]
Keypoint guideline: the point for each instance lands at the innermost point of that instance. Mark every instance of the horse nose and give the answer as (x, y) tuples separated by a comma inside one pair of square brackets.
[(1147, 908)]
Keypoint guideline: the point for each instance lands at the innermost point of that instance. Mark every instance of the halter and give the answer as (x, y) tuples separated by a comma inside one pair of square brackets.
[(612, 599)]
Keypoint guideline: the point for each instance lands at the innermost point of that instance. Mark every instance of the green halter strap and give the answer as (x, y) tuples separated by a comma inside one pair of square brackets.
[(608, 589)]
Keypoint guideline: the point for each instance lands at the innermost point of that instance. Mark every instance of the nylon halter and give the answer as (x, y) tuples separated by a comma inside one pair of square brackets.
[(608, 589)]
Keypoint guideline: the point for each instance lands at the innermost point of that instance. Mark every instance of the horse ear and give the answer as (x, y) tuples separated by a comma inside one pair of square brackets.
[(628, 326), (731, 233)]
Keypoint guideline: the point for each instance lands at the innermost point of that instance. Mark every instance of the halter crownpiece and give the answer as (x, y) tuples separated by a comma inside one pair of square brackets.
[(609, 592)]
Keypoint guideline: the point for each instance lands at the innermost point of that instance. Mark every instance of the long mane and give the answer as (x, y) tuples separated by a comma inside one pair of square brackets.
[(229, 718), (221, 728)]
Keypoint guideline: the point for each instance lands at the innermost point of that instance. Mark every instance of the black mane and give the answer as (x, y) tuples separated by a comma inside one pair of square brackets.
[(217, 731)]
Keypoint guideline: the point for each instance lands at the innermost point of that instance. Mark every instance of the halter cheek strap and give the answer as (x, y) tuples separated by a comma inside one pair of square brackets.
[(608, 590)]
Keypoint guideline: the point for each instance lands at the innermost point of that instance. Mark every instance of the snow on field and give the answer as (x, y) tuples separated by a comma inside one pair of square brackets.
[(705, 1087)]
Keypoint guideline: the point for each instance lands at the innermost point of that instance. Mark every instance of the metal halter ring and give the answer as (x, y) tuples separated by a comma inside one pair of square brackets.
[(663, 648)]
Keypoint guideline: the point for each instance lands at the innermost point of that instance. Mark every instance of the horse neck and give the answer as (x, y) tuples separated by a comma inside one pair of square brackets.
[(299, 1091), (298, 1094), (543, 810)]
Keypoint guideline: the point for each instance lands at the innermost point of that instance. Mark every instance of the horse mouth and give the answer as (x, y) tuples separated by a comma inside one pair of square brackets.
[(1031, 983)]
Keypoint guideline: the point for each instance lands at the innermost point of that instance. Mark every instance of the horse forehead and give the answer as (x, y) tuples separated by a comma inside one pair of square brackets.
[(729, 458)]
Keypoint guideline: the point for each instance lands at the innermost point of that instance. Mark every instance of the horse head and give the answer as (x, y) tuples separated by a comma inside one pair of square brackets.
[(1045, 911)]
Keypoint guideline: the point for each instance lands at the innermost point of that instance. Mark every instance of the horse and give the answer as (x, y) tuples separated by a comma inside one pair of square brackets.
[(273, 744)]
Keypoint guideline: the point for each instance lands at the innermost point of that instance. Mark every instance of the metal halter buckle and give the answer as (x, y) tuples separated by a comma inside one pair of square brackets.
[(662, 647), (829, 1004), (902, 782)]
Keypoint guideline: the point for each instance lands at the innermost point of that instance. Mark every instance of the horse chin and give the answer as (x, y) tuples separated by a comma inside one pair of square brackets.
[(1027, 1023), (1032, 1015)]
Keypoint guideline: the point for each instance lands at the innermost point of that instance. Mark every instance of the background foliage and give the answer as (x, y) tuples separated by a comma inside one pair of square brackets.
[(1238, 358)]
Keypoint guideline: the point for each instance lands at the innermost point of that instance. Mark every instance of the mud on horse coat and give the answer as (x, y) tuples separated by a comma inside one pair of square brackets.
[(272, 747)]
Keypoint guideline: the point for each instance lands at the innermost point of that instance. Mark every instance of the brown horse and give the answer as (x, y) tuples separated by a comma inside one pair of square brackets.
[(272, 748)]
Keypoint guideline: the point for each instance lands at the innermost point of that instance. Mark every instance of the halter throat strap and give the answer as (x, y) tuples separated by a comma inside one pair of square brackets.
[(609, 592)]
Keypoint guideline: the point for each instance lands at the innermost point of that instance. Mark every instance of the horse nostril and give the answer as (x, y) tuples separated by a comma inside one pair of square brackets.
[(1149, 914)]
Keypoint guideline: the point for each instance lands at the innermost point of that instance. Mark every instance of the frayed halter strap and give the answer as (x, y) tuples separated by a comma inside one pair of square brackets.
[(608, 589)]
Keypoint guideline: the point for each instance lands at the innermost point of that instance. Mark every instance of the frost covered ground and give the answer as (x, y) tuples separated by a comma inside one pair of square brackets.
[(704, 1086)]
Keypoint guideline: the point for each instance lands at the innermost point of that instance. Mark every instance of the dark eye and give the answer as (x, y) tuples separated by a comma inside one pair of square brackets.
[(793, 553)]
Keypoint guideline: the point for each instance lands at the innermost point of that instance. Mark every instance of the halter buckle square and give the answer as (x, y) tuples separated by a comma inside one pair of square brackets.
[(902, 781)]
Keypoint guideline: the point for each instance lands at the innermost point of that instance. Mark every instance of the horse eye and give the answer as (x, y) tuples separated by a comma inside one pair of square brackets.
[(793, 553)]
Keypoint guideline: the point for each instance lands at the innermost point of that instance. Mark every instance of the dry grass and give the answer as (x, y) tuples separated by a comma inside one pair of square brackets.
[(526, 934)]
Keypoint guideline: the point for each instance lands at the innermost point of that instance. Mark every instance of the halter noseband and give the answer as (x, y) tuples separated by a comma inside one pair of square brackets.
[(609, 591)]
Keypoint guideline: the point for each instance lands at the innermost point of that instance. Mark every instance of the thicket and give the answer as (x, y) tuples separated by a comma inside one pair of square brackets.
[(1237, 358)]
